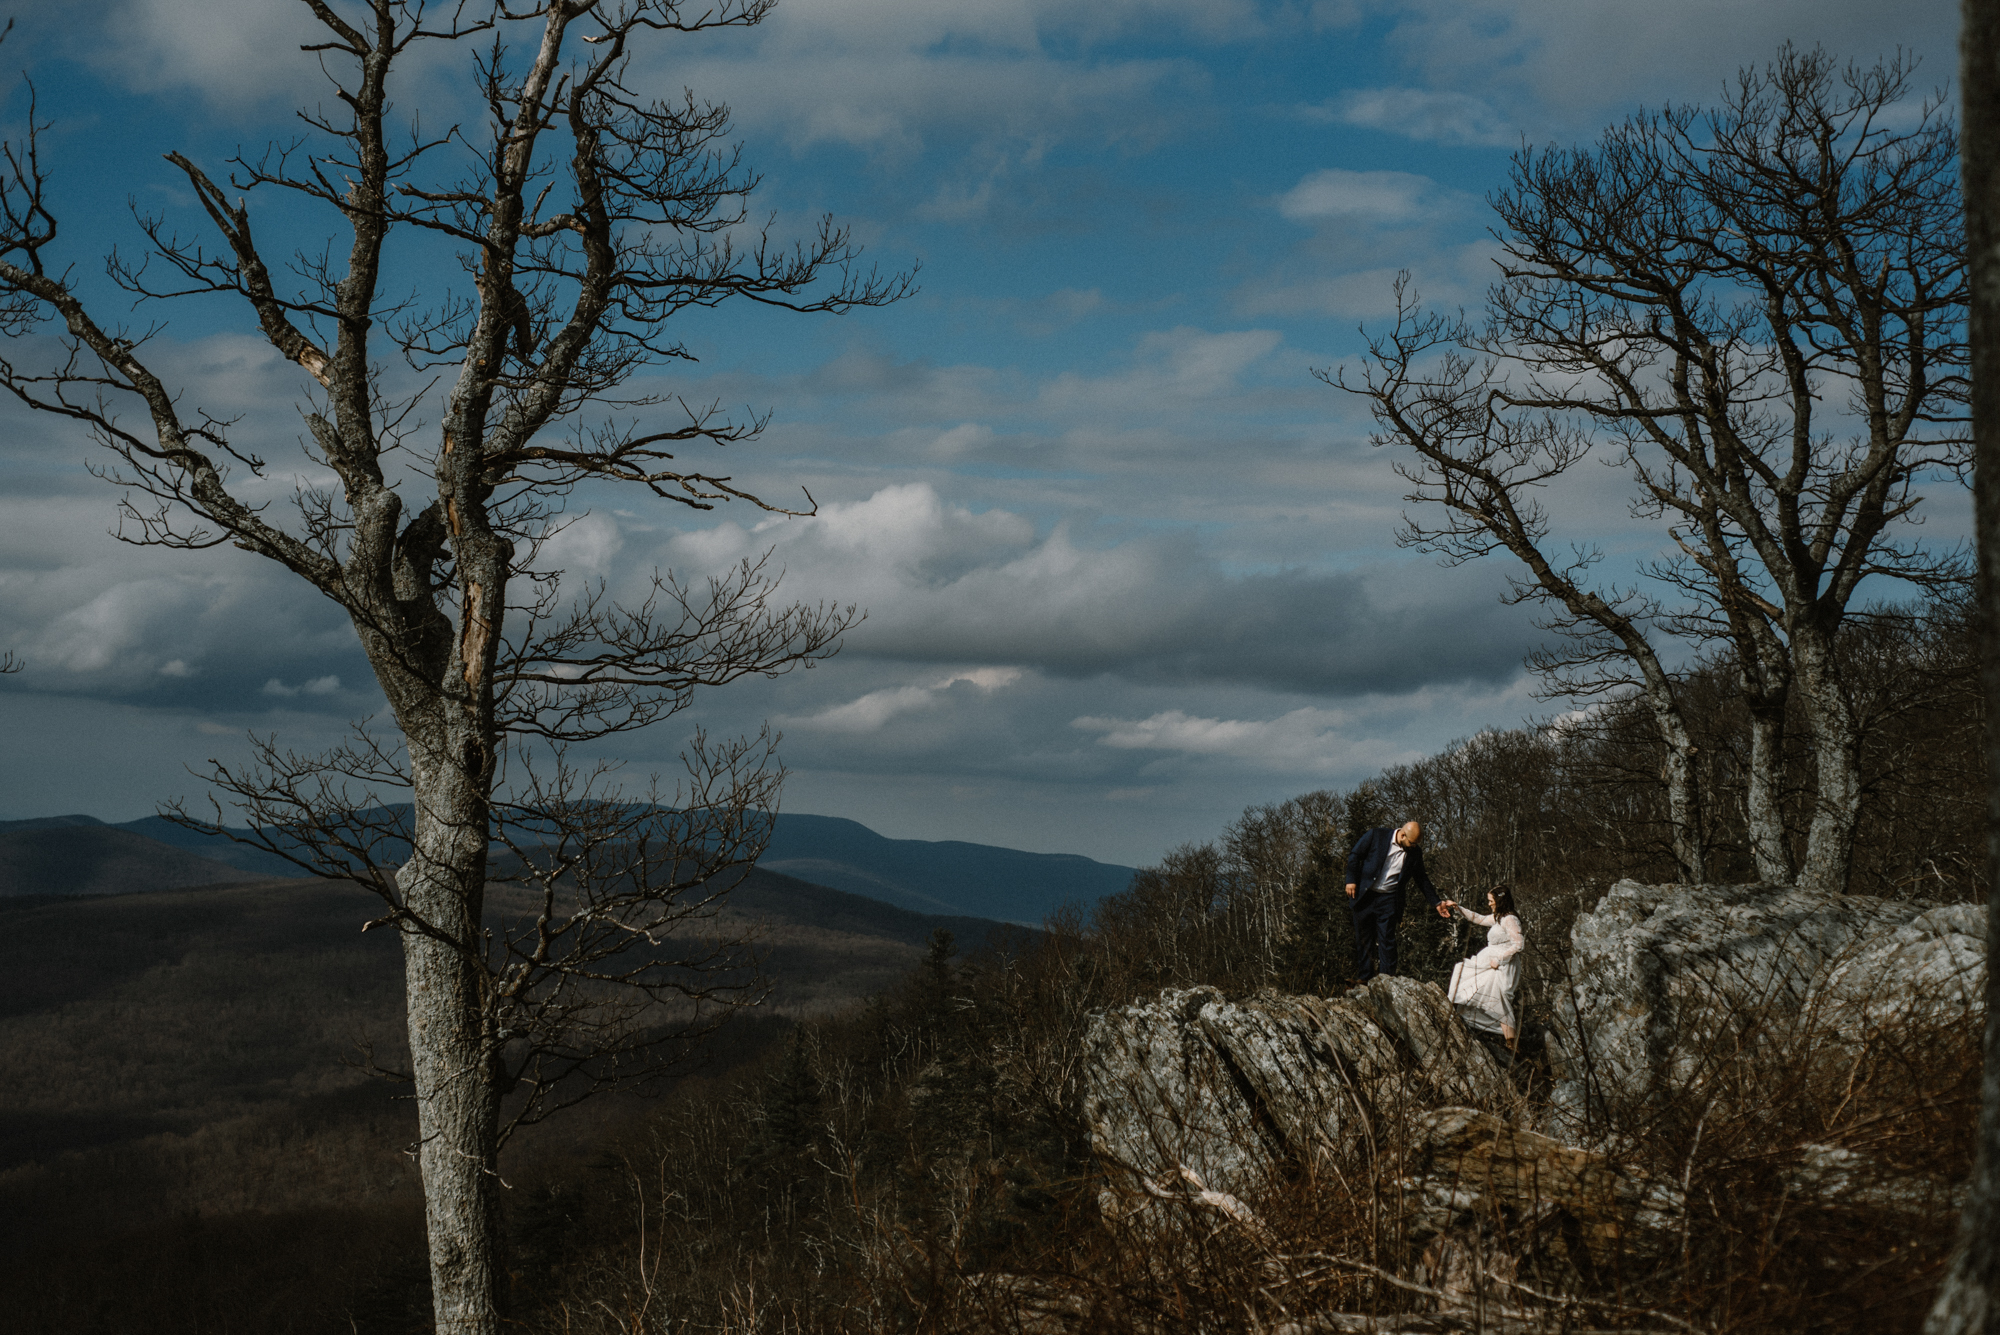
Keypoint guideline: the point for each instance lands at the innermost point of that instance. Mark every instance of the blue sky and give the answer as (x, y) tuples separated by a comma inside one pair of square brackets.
[(1128, 567)]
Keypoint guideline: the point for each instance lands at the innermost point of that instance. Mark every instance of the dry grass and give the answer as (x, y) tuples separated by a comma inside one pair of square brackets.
[(1803, 1179)]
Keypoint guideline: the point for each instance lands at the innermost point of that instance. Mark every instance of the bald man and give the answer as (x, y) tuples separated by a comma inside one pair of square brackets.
[(1382, 862)]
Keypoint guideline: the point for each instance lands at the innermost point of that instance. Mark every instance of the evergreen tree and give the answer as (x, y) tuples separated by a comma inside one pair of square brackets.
[(1318, 955), (793, 1107)]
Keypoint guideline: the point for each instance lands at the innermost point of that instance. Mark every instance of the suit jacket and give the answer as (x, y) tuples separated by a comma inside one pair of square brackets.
[(1371, 852)]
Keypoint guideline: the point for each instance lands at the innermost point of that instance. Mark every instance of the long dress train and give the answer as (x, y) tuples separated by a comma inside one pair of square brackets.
[(1483, 987)]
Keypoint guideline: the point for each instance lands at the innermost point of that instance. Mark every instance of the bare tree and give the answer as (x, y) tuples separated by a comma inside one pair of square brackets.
[(1720, 608), (1699, 292), (1480, 470), (1968, 1302), (1699, 285), (584, 214)]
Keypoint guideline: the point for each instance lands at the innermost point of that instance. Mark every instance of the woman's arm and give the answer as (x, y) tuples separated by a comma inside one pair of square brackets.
[(1479, 918)]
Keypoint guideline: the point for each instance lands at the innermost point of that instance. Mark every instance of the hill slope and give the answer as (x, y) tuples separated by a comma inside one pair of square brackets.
[(182, 1115), (128, 1016)]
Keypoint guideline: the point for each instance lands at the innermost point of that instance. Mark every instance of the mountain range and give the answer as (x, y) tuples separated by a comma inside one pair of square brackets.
[(82, 855)]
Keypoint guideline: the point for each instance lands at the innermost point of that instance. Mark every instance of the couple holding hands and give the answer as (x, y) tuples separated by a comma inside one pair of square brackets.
[(1483, 988)]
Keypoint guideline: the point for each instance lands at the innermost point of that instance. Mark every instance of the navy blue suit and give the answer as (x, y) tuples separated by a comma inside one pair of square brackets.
[(1377, 913)]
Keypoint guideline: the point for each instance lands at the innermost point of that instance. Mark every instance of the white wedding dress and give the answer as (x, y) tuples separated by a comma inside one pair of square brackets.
[(1483, 987)]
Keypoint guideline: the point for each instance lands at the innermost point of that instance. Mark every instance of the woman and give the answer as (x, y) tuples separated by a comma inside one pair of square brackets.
[(1483, 987)]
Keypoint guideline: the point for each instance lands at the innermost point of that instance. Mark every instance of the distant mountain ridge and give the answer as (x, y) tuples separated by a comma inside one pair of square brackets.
[(937, 876), (81, 855), (68, 855)]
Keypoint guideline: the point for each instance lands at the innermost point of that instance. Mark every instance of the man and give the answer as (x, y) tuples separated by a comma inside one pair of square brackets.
[(1381, 863)]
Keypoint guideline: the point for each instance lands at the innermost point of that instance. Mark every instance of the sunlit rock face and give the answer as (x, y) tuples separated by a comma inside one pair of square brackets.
[(1672, 987), (1932, 969), (1229, 1090)]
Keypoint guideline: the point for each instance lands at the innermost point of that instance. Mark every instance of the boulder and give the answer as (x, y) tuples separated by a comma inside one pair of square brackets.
[(1471, 1171), (1930, 970), (1667, 981), (1190, 1086)]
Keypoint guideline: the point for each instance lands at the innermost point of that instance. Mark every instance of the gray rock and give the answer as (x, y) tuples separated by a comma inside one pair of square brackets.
[(1932, 969), (1469, 1167), (1836, 1175), (1191, 1083), (1667, 981)]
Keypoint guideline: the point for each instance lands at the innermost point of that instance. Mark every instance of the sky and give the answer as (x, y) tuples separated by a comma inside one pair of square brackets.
[(1128, 567)]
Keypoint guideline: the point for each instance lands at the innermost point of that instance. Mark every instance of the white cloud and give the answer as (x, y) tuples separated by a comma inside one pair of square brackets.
[(1367, 734), (1419, 113), (869, 712), (586, 545), (95, 635), (328, 685), (1171, 369), (986, 678), (1302, 739), (1307, 283), (898, 102), (95, 616), (1565, 65), (964, 439), (229, 50), (1374, 198), (945, 584), (1009, 78)]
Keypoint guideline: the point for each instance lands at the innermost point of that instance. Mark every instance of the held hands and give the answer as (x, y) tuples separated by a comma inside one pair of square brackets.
[(1445, 906)]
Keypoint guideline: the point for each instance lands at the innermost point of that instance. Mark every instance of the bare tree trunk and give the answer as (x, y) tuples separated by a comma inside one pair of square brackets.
[(1677, 770), (458, 1122), (1968, 1302), (1837, 763), (455, 1058), (1762, 811), (1764, 673), (1684, 806)]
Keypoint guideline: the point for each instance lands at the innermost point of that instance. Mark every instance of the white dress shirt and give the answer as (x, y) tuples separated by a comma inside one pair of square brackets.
[(1392, 867)]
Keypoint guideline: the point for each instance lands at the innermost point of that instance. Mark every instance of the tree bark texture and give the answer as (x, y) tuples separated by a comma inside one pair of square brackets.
[(1968, 1302), (455, 1057), (1679, 772), (1763, 814), (1836, 763)]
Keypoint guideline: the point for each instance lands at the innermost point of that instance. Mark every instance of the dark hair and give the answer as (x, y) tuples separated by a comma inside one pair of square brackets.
[(1503, 902)]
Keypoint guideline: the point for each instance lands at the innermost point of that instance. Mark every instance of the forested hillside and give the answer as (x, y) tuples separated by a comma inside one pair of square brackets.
[(887, 1158), (191, 1105)]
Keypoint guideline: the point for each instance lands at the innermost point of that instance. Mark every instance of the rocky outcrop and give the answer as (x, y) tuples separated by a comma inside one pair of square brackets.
[(1466, 1164), (1932, 969), (1503, 1209), (1668, 982), (1194, 1087), (1497, 1203)]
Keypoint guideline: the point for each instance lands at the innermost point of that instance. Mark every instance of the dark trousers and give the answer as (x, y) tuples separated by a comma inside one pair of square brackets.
[(1376, 917)]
